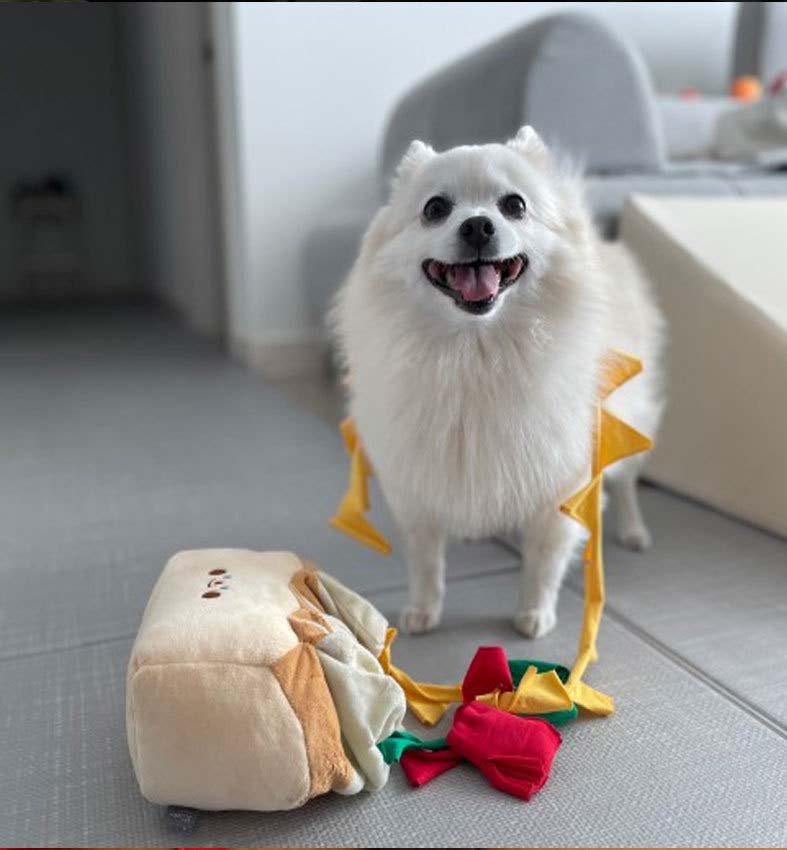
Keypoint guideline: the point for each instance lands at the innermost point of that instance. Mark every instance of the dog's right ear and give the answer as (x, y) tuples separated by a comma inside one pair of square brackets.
[(530, 144), (418, 153)]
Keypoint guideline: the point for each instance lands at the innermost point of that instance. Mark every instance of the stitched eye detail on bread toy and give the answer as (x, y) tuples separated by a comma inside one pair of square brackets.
[(217, 583)]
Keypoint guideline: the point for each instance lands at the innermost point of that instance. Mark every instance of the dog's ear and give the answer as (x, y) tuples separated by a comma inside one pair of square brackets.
[(418, 153), (530, 144)]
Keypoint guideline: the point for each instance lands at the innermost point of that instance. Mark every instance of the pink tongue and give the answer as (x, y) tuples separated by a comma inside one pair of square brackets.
[(476, 284)]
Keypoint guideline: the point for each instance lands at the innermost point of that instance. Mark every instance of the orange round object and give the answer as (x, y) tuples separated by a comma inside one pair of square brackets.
[(746, 88)]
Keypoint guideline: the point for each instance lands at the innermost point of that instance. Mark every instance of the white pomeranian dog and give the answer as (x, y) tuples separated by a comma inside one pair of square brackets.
[(473, 328)]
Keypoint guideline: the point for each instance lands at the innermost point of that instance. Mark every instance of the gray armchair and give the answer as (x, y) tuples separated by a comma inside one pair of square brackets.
[(578, 82)]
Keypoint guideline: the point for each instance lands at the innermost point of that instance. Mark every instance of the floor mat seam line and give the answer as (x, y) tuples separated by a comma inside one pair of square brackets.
[(689, 667), (385, 589), (494, 572), (4, 659)]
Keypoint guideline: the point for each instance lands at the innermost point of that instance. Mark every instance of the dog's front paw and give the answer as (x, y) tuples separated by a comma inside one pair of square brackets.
[(636, 538), (535, 622), (416, 621)]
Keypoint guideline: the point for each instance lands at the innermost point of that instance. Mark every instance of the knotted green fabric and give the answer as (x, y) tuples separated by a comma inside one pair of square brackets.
[(399, 742)]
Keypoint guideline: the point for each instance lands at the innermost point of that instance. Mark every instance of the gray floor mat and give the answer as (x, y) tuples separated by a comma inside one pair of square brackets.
[(712, 591), (667, 769)]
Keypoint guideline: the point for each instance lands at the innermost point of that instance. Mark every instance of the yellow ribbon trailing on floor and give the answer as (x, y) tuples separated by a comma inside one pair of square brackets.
[(537, 693), (427, 702)]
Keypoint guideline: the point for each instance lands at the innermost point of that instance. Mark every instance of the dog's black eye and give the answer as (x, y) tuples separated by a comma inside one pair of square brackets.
[(512, 206), (437, 208)]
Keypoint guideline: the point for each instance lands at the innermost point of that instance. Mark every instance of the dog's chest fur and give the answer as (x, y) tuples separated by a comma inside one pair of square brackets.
[(475, 434)]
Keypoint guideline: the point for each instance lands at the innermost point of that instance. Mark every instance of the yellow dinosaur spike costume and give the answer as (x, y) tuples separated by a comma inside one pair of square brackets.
[(543, 692)]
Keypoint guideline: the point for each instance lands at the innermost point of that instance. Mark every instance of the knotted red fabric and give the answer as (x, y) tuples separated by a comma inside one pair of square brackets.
[(514, 753), (488, 671), (422, 766)]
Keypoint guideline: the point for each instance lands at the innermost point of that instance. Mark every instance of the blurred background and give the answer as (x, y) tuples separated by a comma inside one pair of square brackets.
[(222, 159)]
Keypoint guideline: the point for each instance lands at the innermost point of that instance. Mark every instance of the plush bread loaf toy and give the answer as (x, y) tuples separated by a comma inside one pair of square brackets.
[(254, 684)]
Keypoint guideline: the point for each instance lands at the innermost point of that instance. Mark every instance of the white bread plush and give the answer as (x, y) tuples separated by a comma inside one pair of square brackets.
[(254, 684)]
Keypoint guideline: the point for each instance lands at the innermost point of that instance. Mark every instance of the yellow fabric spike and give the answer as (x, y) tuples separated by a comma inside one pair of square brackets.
[(617, 369), (619, 440), (427, 702), (584, 506), (361, 529), (349, 517), (349, 434)]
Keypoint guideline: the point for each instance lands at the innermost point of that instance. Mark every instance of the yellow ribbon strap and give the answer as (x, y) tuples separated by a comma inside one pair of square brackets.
[(349, 517), (613, 439), (427, 702)]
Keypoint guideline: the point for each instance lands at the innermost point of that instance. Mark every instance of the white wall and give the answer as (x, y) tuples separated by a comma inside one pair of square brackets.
[(315, 82), (171, 130)]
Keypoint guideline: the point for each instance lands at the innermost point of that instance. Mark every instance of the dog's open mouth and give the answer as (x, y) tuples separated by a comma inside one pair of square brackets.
[(476, 286)]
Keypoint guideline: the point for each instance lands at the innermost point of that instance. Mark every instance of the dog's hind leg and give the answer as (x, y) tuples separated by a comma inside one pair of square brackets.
[(549, 540), (425, 553), (622, 483)]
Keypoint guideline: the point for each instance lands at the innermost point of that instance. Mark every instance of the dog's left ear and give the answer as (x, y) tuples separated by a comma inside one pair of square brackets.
[(530, 144), (418, 153)]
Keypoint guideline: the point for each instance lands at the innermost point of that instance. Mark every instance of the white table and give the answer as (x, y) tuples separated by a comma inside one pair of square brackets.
[(719, 268)]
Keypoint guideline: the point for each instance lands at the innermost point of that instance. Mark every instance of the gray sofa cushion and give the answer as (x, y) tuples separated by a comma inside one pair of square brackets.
[(569, 75)]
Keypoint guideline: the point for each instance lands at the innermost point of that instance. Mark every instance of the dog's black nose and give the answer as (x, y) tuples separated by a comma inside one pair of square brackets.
[(477, 230)]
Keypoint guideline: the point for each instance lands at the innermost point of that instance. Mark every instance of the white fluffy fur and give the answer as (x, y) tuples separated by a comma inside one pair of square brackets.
[(477, 425)]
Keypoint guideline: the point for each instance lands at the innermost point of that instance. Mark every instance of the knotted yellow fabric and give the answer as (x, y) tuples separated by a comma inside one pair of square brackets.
[(537, 693)]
